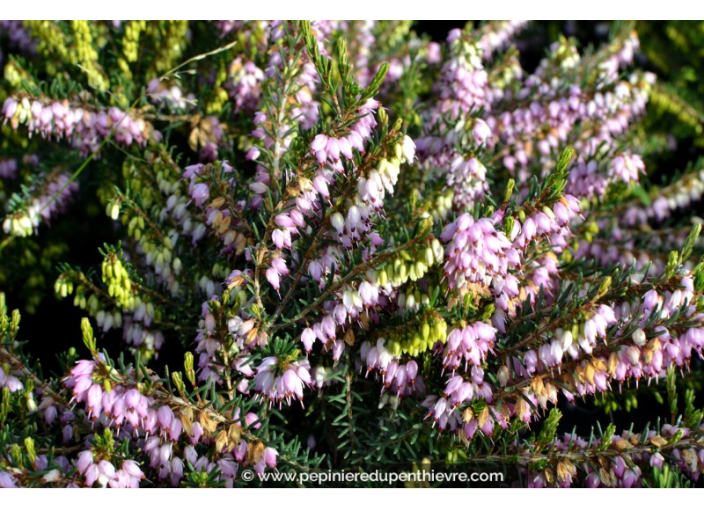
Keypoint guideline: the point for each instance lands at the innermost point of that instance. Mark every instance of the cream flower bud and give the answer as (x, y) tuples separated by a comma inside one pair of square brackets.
[(337, 221), (114, 211), (438, 250), (353, 216), (503, 375), (639, 337), (566, 338), (409, 149)]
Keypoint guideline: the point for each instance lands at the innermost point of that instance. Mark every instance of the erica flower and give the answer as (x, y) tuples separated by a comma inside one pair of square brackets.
[(278, 382)]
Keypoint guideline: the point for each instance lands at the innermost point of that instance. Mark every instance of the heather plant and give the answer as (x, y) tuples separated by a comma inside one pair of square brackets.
[(372, 252)]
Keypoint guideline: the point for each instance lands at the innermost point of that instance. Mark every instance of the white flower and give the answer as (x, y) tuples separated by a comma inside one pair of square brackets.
[(409, 149)]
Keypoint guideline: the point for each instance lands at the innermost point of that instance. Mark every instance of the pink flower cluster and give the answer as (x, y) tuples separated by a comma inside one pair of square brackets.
[(245, 85), (458, 390), (678, 195), (398, 378), (8, 168), (351, 230), (170, 96), (85, 128), (470, 344), (18, 36), (476, 252), (498, 34), (104, 473), (467, 178), (152, 425), (278, 383), (624, 468), (216, 215), (51, 199), (10, 381), (328, 149)]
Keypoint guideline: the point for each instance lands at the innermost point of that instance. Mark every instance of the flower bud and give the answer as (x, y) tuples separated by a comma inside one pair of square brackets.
[(639, 337), (337, 221)]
